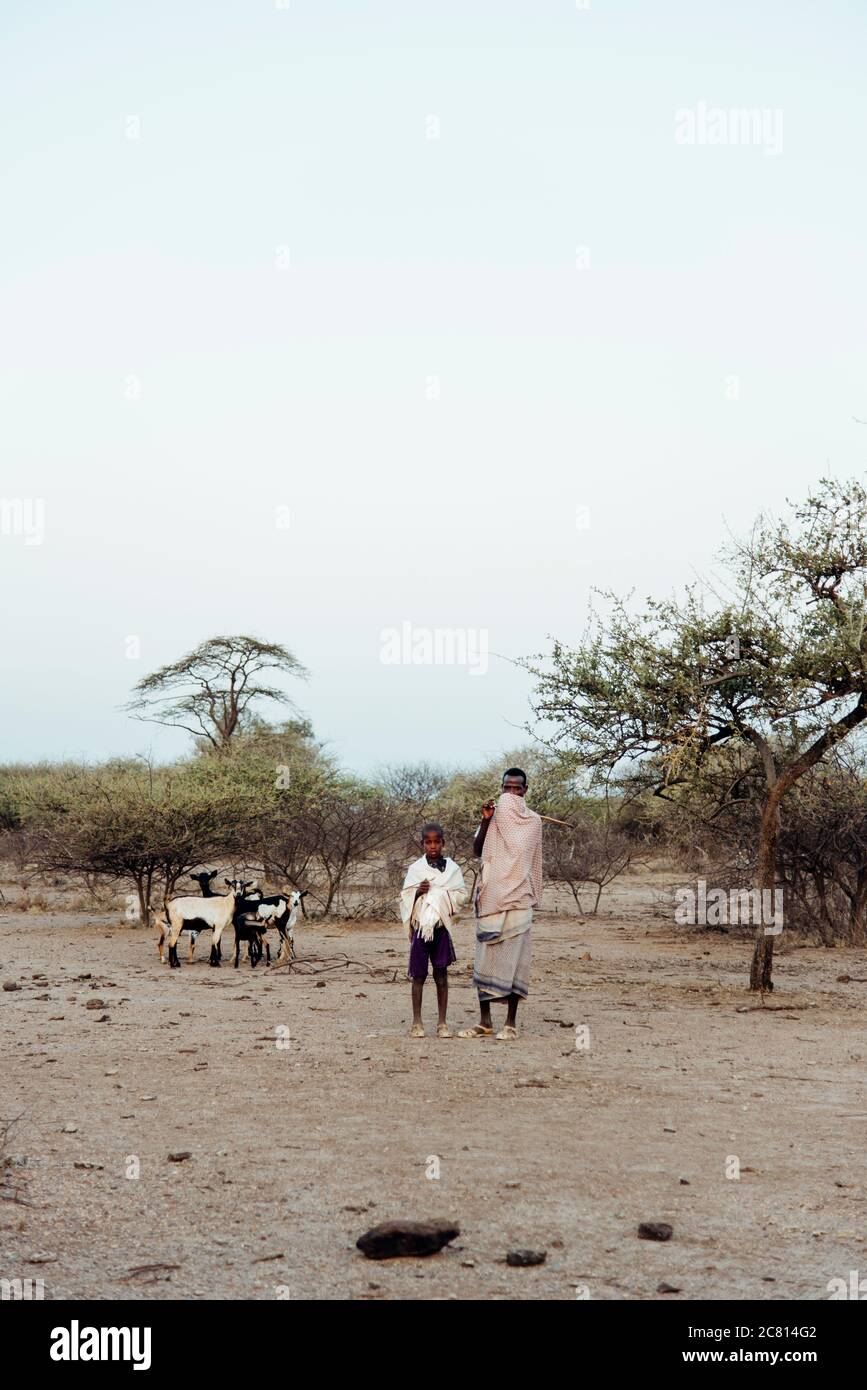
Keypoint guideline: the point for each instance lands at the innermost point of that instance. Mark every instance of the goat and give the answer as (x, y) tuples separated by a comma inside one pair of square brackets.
[(248, 896), (193, 928), (287, 928), (249, 929), (216, 913), (204, 881), (280, 911), (245, 922), (254, 915)]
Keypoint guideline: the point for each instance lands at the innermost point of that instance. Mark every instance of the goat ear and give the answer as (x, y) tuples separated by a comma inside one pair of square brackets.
[(228, 881), (306, 891)]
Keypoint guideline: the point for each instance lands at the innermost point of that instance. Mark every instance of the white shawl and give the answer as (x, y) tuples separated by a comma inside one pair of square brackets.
[(442, 901)]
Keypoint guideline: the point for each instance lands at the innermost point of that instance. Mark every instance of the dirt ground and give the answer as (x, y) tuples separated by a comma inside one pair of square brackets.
[(309, 1115)]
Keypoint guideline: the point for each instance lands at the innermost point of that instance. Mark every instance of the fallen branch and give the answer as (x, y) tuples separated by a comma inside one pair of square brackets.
[(325, 963), (147, 1269)]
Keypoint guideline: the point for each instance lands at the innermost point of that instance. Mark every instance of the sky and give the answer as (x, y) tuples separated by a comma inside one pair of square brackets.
[(337, 322)]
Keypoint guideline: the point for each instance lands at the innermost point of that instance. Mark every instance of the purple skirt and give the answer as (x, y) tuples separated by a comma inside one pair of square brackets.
[(439, 953)]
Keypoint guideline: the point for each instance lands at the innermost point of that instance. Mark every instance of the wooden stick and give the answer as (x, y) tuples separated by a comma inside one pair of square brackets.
[(552, 819)]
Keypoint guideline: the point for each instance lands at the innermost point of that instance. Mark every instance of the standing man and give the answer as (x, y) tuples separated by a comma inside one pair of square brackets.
[(509, 840)]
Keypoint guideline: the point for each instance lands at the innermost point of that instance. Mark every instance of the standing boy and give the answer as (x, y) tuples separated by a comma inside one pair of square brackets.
[(433, 893)]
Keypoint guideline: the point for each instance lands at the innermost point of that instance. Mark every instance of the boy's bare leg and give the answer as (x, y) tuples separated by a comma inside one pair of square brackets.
[(441, 977), (417, 992)]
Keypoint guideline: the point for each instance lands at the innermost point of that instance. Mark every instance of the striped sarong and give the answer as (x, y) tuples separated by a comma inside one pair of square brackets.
[(502, 964)]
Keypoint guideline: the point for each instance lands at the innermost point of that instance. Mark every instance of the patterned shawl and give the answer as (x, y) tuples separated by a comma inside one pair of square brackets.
[(511, 872)]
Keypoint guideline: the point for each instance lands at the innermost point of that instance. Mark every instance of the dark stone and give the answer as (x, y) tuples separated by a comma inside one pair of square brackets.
[(655, 1230), (180, 1156), (522, 1258), (667, 1288), (392, 1238)]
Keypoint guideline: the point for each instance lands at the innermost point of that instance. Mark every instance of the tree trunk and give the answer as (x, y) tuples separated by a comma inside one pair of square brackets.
[(856, 914), (143, 890), (826, 924), (763, 954)]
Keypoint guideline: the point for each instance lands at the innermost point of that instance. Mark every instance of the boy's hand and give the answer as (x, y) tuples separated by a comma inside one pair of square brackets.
[(488, 810), (422, 888)]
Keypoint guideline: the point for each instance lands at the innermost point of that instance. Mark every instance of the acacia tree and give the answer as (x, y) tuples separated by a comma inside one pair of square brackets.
[(589, 852), (785, 653), (210, 691), (823, 847), (348, 822), (128, 822)]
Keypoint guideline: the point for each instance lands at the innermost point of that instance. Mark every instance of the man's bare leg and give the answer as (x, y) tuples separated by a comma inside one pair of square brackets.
[(510, 1000)]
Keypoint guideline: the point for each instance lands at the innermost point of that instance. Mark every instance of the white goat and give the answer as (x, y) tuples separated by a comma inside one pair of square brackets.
[(204, 881), (216, 913)]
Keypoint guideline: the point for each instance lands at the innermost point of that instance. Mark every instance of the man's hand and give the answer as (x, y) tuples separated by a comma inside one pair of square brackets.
[(484, 826)]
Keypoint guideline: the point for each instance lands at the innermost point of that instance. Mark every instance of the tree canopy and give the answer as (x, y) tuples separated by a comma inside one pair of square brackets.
[(212, 691), (781, 651)]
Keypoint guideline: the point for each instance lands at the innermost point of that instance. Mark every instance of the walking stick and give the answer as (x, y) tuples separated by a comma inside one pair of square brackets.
[(552, 819)]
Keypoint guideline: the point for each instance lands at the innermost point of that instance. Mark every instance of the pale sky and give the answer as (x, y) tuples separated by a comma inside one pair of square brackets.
[(440, 280)]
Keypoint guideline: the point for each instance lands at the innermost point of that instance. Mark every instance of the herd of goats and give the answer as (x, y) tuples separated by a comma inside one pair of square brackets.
[(244, 908)]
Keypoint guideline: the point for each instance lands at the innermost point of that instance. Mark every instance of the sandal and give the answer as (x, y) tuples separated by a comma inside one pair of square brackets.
[(444, 1031), (477, 1031), (507, 1033), (417, 1030)]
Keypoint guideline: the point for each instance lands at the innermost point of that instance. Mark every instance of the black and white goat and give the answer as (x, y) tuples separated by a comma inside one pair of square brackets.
[(286, 926), (255, 914)]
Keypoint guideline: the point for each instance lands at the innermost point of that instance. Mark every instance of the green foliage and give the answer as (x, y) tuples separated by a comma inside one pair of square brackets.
[(777, 668), (129, 821)]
